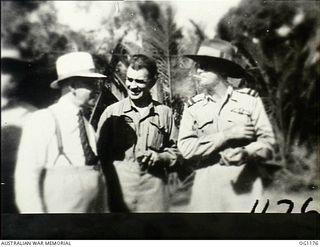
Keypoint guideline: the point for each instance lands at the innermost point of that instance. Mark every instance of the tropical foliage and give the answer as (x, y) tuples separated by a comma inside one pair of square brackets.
[(279, 42)]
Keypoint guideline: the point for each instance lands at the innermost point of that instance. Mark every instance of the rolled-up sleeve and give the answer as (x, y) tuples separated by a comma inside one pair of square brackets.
[(191, 145)]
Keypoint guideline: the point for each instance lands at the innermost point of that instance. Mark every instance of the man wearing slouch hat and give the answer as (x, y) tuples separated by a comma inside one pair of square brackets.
[(227, 134)]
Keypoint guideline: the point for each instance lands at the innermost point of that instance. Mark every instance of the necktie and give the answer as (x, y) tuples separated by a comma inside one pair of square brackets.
[(90, 157)]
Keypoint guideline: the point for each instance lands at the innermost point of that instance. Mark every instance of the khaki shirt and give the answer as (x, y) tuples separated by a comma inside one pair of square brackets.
[(218, 187), (124, 135), (204, 120), (128, 134)]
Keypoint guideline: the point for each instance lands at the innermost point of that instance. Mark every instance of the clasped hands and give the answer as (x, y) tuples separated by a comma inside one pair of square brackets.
[(234, 156), (149, 159), (239, 155)]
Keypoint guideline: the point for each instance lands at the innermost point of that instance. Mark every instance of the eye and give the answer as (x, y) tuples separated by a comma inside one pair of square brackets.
[(129, 79), (141, 81), (203, 66)]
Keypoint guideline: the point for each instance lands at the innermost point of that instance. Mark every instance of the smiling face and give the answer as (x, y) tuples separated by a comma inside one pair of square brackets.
[(138, 84)]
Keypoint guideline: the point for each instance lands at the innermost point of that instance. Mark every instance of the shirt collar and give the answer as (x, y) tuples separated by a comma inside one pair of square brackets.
[(129, 106), (229, 90), (209, 98)]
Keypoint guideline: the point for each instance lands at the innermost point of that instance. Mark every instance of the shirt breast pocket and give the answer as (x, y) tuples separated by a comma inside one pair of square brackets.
[(157, 135), (205, 125), (239, 115)]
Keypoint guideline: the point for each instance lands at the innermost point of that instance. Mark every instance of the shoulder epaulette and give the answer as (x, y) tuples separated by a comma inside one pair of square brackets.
[(248, 91), (195, 99)]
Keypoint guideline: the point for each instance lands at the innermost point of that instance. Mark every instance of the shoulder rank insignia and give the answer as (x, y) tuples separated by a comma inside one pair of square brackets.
[(248, 91), (195, 99)]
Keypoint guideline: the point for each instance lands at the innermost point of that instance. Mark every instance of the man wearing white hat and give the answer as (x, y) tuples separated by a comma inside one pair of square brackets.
[(226, 132), (57, 169)]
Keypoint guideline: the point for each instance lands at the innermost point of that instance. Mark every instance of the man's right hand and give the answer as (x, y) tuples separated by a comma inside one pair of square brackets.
[(234, 156), (240, 131)]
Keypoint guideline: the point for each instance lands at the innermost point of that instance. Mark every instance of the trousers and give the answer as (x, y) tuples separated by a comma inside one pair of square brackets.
[(74, 189)]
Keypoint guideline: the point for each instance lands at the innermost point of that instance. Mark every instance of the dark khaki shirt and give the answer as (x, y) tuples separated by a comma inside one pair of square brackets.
[(125, 135)]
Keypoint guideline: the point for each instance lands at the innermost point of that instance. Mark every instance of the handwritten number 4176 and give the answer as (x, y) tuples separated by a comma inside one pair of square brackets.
[(289, 203)]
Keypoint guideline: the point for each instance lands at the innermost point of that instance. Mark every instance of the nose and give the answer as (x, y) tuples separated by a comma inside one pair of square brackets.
[(133, 84)]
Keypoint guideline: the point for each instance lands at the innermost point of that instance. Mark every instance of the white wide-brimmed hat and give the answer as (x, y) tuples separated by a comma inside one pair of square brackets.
[(75, 64), (218, 54)]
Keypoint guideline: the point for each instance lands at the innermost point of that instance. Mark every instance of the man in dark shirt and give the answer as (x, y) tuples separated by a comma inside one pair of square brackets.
[(137, 144)]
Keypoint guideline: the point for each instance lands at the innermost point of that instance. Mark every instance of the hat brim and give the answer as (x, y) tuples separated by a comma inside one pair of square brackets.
[(55, 84), (12, 65), (227, 67)]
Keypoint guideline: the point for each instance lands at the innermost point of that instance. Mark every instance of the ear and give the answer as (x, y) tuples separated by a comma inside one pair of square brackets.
[(71, 89), (71, 84), (153, 81)]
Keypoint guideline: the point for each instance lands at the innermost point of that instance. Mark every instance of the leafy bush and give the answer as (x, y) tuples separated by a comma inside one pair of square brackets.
[(279, 43)]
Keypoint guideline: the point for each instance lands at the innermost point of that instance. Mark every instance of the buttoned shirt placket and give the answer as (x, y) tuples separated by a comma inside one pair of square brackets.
[(218, 107), (131, 113), (142, 136), (139, 123)]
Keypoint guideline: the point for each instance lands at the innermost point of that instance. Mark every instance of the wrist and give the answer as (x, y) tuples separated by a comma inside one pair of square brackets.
[(226, 136), (246, 153), (166, 159)]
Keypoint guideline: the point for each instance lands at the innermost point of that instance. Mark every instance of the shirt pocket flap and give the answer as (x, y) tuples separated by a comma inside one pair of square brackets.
[(241, 111), (239, 115), (159, 127), (204, 121), (156, 136)]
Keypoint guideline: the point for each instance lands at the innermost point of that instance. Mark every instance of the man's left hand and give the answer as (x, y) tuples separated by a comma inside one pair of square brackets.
[(150, 158), (234, 156)]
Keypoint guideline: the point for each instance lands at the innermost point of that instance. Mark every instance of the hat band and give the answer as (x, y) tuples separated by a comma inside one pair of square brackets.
[(210, 51), (76, 73)]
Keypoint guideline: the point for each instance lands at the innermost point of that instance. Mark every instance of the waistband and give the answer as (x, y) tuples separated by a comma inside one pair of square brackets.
[(74, 167)]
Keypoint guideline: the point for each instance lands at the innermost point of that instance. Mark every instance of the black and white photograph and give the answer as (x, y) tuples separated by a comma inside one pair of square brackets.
[(160, 120)]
